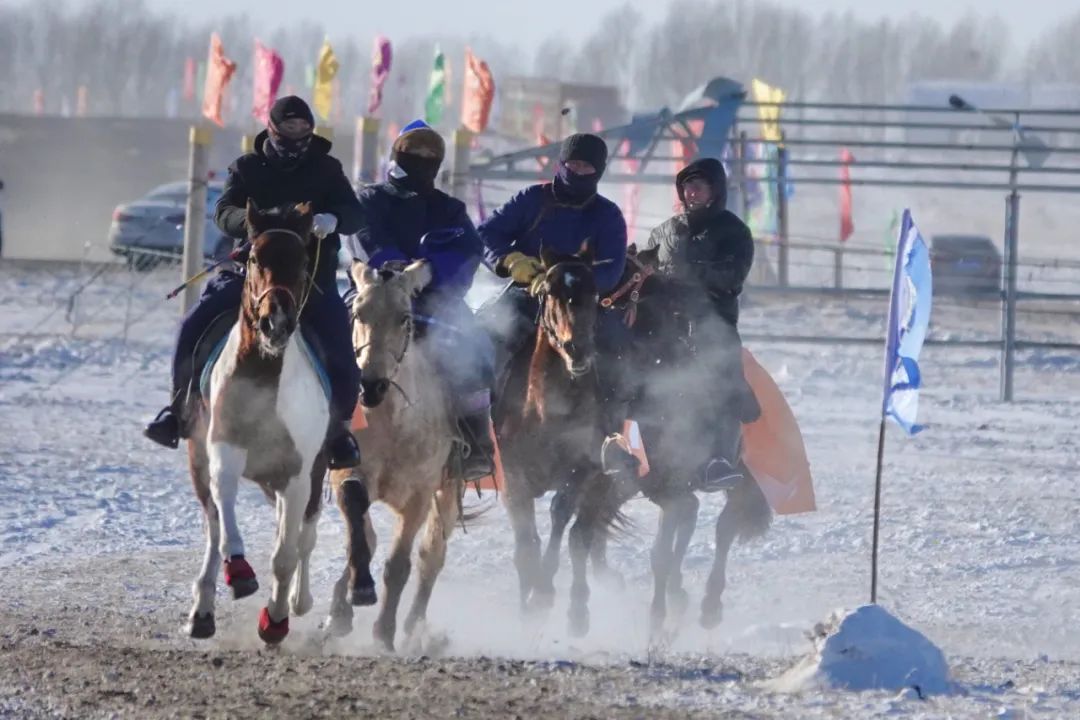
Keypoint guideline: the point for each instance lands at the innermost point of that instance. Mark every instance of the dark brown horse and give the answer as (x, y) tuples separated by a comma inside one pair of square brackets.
[(682, 361), (548, 424), (264, 418)]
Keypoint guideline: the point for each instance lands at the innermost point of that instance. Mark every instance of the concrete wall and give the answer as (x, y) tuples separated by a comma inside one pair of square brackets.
[(64, 176)]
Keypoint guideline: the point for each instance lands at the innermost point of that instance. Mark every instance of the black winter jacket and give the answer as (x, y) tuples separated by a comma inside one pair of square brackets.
[(319, 180), (711, 254)]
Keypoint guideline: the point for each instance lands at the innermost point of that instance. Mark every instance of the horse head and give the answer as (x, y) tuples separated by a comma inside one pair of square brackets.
[(277, 273), (568, 307), (382, 317)]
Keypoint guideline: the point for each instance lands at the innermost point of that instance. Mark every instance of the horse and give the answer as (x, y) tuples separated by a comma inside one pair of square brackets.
[(407, 445), (547, 423), (678, 407), (265, 418)]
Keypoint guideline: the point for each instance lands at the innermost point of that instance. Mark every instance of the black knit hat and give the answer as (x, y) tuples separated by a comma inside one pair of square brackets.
[(585, 146), (290, 107), (711, 171)]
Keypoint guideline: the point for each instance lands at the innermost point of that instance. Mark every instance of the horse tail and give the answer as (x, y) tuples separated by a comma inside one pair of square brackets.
[(753, 516), (607, 500)]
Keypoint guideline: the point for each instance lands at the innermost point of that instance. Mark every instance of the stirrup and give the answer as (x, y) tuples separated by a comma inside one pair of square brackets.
[(623, 462), (719, 474)]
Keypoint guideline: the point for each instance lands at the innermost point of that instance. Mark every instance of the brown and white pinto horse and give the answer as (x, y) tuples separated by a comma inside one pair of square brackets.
[(265, 418)]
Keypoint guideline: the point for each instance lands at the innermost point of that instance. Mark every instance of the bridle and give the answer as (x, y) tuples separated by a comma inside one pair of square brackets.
[(281, 288), (550, 332), (632, 288)]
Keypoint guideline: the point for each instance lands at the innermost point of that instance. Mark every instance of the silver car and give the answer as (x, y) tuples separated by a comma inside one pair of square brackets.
[(150, 230)]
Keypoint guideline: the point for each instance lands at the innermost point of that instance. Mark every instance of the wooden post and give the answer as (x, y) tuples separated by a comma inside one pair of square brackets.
[(782, 216), (838, 267), (366, 151), (743, 196), (200, 139), (325, 131), (247, 143), (459, 167)]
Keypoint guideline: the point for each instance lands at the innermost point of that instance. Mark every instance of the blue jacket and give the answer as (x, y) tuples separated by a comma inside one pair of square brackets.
[(524, 225), (394, 221)]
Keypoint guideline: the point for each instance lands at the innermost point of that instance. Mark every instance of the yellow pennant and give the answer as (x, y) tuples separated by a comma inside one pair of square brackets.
[(323, 93)]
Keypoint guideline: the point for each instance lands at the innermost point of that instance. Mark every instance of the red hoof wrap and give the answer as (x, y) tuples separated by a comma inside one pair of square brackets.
[(237, 568), (271, 632)]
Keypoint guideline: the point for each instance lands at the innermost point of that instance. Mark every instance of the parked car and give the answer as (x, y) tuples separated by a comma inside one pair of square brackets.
[(965, 264), (150, 230)]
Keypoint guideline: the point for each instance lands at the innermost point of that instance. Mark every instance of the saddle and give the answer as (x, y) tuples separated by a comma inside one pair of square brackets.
[(212, 342)]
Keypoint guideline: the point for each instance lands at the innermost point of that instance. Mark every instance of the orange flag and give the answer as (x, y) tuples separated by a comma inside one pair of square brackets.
[(219, 70), (847, 224), (773, 446), (478, 94)]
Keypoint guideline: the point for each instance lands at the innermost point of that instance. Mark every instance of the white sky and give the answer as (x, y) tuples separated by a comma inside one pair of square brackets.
[(530, 21)]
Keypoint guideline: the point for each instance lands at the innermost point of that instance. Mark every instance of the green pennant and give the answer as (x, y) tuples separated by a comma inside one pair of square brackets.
[(436, 95)]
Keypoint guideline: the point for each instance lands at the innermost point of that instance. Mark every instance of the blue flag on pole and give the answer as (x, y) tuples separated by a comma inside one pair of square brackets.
[(909, 320)]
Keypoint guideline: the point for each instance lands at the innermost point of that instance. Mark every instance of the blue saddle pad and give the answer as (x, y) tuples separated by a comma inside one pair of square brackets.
[(305, 348)]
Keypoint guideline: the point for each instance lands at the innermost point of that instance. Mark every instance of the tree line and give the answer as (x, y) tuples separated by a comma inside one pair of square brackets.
[(131, 58)]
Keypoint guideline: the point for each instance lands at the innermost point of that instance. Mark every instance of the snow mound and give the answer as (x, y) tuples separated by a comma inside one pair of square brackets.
[(869, 649)]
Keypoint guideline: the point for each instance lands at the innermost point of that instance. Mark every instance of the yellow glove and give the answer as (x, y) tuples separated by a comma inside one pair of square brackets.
[(521, 267), (537, 284)]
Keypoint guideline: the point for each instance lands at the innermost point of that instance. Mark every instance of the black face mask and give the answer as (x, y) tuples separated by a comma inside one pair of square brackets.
[(287, 153), (420, 172), (571, 186)]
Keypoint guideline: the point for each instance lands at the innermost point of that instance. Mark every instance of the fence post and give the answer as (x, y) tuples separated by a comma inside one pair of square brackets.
[(459, 168), (838, 267), (1008, 329), (247, 143), (782, 216), (366, 154), (200, 138)]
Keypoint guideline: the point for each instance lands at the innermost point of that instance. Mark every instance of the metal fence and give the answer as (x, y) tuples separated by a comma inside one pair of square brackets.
[(955, 146)]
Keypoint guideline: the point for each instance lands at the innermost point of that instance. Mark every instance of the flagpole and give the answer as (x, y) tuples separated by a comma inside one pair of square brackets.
[(877, 512)]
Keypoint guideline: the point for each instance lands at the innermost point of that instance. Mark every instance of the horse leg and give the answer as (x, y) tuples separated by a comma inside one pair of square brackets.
[(526, 544), (686, 523), (226, 465), (661, 560), (201, 624), (354, 502), (582, 535), (398, 566), (712, 607), (274, 619), (440, 525), (301, 601), (562, 510)]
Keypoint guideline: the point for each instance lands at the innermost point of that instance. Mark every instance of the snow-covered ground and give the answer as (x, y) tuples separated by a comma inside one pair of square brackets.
[(980, 541)]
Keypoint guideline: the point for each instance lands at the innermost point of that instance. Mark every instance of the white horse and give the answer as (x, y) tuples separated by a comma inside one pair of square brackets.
[(265, 419), (407, 444)]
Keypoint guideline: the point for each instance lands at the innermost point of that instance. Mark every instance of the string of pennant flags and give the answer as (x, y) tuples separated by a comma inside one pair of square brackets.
[(215, 75)]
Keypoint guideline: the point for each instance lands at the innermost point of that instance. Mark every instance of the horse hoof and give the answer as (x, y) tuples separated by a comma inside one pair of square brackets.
[(579, 624), (712, 614), (240, 577), (363, 595), (271, 632), (542, 600), (338, 626), (202, 627), (301, 606), (679, 600), (384, 638)]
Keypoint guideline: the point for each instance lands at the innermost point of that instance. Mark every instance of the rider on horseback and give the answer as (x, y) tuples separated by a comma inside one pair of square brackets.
[(563, 217), (406, 219), (289, 165), (710, 250)]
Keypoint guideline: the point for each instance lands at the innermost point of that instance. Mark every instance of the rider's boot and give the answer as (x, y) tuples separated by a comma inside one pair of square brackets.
[(723, 471), (342, 450), (165, 428), (479, 461)]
